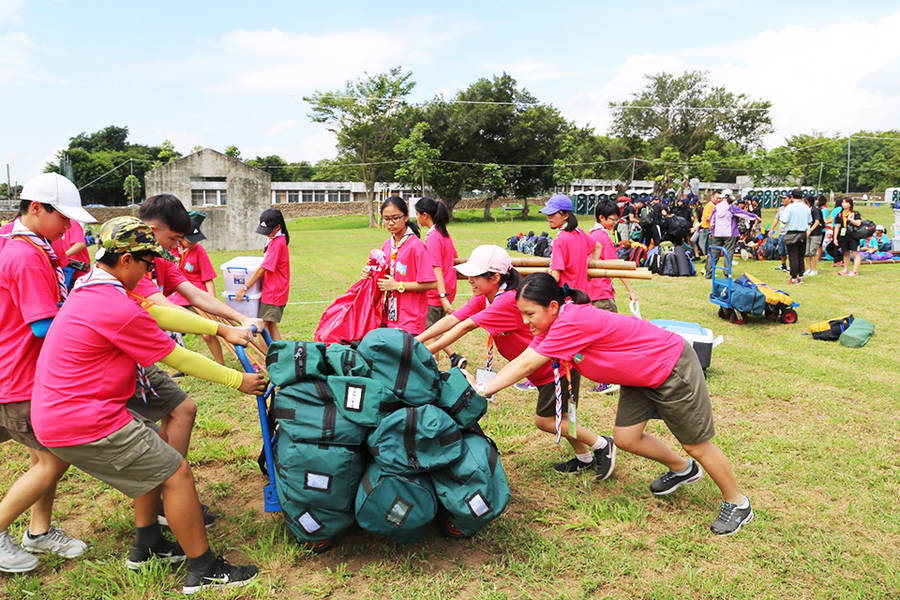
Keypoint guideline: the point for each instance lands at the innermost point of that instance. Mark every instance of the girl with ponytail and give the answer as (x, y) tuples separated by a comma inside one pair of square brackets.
[(660, 375), (493, 308)]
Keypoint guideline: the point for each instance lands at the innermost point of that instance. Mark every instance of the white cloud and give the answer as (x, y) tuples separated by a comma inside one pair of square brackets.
[(835, 78), (11, 12), (280, 126), (14, 58), (529, 71)]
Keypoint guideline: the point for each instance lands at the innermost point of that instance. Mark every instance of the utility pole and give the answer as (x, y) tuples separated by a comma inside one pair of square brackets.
[(819, 185), (633, 161), (9, 190), (847, 191)]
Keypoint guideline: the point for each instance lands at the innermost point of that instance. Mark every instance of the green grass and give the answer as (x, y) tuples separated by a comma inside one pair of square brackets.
[(811, 427)]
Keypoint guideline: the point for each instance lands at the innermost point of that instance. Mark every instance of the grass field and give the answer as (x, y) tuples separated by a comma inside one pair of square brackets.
[(812, 428)]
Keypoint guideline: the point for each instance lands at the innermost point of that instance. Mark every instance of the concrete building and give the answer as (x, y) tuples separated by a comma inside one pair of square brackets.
[(291, 192), (231, 193)]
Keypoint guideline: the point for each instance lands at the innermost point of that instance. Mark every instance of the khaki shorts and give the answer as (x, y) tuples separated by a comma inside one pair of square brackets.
[(606, 304), (134, 459), (15, 424), (168, 397), (546, 404), (435, 314), (813, 243), (681, 401), (270, 312)]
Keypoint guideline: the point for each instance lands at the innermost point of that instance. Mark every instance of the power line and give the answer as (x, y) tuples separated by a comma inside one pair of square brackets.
[(686, 108)]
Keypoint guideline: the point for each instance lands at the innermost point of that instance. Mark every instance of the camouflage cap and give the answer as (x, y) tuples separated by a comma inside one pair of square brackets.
[(129, 234)]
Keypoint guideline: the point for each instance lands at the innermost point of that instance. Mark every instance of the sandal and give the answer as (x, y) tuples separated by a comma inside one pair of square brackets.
[(852, 274)]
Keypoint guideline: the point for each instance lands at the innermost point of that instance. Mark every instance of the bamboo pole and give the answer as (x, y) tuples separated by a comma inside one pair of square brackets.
[(595, 273), (538, 261), (256, 351)]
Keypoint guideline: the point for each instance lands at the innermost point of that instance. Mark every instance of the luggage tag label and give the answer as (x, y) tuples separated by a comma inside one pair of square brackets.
[(318, 481), (398, 512), (309, 523), (482, 376), (478, 505), (353, 397), (392, 308)]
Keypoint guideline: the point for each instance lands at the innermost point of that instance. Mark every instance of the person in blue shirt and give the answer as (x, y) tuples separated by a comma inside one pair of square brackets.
[(795, 220)]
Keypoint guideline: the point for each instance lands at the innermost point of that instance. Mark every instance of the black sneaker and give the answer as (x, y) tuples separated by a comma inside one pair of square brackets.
[(208, 519), (605, 459), (458, 360), (731, 519), (573, 466), (671, 481), (166, 551), (221, 574)]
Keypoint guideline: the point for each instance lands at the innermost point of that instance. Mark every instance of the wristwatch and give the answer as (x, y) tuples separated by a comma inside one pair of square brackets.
[(400, 287), (442, 295)]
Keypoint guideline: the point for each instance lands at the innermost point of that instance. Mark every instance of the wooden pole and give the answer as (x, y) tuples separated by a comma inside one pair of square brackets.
[(594, 273), (537, 261)]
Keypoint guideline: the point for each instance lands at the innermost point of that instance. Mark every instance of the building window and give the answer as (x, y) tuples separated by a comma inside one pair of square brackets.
[(293, 196), (307, 196), (345, 196), (196, 197), (223, 198), (319, 196)]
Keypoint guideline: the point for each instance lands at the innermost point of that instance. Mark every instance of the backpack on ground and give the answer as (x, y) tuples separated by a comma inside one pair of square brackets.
[(363, 400), (415, 439), (638, 254), (399, 507), (288, 362), (668, 264), (459, 400), (527, 245), (473, 490), (666, 247), (831, 329), (770, 249), (858, 334), (652, 261), (512, 242), (683, 262), (346, 360), (307, 412), (543, 247), (402, 364), (622, 253)]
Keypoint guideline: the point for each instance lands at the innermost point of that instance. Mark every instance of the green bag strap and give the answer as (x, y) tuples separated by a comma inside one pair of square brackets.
[(329, 414), (409, 437), (405, 365), (366, 484), (448, 439)]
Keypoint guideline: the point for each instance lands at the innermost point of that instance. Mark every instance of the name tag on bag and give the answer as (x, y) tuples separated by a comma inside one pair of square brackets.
[(482, 376)]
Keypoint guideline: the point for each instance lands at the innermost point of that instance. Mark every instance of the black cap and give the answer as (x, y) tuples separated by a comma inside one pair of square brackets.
[(197, 217), (269, 220)]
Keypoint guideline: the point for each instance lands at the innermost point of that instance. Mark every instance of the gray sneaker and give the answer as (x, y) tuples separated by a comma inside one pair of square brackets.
[(12, 558), (55, 541), (731, 518)]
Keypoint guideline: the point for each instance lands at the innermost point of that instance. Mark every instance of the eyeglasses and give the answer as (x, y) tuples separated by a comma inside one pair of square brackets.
[(148, 264), (392, 219)]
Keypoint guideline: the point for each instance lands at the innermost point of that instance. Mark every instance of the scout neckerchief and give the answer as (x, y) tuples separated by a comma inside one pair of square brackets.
[(21, 231), (566, 368), (613, 234), (97, 276), (390, 297), (272, 239), (489, 353)]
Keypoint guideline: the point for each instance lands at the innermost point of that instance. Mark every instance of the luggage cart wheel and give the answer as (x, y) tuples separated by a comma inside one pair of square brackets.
[(789, 316), (738, 318), (724, 313)]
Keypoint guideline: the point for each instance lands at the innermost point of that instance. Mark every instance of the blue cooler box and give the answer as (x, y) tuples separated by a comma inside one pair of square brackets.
[(700, 337)]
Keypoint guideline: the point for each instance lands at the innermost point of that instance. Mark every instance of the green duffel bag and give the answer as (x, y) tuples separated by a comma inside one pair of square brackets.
[(345, 360), (858, 334), (309, 524), (399, 507), (306, 411), (290, 362), (416, 439), (459, 400), (403, 364), (317, 475), (362, 400), (473, 490)]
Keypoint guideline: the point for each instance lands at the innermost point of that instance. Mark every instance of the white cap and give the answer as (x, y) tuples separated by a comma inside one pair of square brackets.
[(727, 192), (486, 259), (58, 192), (879, 228)]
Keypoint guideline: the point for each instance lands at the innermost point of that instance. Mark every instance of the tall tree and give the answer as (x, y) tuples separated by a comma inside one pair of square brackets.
[(686, 111), (233, 152), (363, 117), (419, 157)]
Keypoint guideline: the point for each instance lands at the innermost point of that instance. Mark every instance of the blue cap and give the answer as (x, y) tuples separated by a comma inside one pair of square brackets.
[(556, 203)]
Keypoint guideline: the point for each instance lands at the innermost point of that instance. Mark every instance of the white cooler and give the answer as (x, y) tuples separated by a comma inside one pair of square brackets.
[(700, 337), (249, 306), (238, 270)]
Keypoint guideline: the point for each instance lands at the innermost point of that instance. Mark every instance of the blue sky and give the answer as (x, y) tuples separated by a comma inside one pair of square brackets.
[(220, 73)]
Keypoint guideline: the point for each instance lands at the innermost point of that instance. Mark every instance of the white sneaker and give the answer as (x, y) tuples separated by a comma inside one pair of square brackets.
[(810, 273), (13, 559), (55, 541)]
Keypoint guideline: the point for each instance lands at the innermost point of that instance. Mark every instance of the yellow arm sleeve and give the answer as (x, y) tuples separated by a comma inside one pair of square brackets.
[(194, 364), (183, 321)]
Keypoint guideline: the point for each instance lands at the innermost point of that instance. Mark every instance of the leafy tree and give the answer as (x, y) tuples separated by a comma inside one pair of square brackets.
[(686, 111), (281, 170), (363, 117), (4, 191), (132, 187), (167, 152), (196, 149), (494, 184), (111, 138), (419, 156), (233, 152)]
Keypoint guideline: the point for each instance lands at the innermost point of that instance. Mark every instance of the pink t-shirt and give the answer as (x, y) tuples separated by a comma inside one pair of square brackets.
[(503, 321), (442, 253), (59, 245), (571, 252), (86, 372), (413, 263), (601, 288), (165, 278), (29, 292), (75, 234), (276, 285), (196, 267), (607, 346)]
